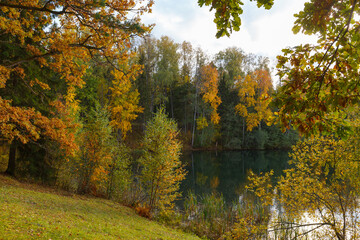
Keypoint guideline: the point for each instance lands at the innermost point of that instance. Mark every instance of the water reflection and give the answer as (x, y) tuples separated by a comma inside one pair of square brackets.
[(226, 172)]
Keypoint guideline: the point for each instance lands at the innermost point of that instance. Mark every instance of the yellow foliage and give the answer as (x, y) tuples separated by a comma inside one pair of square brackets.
[(4, 75), (124, 106), (323, 183), (201, 123), (209, 89), (254, 93)]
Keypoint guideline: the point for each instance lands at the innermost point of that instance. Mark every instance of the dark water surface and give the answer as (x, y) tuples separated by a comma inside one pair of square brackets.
[(226, 171)]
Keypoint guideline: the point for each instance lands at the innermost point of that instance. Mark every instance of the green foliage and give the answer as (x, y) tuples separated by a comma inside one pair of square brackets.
[(88, 171), (195, 95), (96, 152), (167, 74), (98, 80), (120, 176), (276, 139), (162, 169), (261, 138), (207, 135), (227, 14), (230, 64)]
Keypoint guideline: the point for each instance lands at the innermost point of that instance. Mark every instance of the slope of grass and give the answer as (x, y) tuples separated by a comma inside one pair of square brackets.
[(34, 212)]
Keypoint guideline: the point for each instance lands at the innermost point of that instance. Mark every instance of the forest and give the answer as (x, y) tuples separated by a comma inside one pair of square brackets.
[(92, 103)]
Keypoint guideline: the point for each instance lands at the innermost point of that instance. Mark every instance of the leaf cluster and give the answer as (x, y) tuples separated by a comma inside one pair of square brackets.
[(227, 13), (319, 81)]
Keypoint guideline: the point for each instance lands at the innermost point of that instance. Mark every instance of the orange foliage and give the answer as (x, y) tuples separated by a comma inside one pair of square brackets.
[(143, 211), (26, 124), (61, 35)]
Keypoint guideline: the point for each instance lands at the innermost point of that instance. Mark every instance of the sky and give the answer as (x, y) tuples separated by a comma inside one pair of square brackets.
[(263, 32)]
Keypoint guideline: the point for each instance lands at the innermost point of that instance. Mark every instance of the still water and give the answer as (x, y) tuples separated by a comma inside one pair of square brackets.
[(225, 172)]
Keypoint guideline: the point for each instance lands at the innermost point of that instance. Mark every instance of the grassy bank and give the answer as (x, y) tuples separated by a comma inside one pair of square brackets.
[(34, 212)]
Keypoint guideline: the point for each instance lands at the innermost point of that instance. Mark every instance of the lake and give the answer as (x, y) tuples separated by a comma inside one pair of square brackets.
[(226, 171)]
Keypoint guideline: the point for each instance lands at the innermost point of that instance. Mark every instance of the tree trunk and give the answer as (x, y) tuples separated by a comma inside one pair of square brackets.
[(171, 105), (194, 125), (185, 120), (243, 140), (12, 160)]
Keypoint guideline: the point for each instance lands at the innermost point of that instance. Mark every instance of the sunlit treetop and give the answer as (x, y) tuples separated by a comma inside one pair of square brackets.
[(65, 29)]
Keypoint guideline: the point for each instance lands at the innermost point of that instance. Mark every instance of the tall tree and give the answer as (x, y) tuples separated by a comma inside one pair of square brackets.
[(201, 60), (186, 59), (167, 70), (124, 99), (59, 35), (96, 152), (185, 88), (209, 90), (254, 93), (162, 169), (145, 81), (230, 64)]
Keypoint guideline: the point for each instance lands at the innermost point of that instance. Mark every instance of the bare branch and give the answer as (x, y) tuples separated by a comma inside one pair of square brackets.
[(32, 58), (43, 9)]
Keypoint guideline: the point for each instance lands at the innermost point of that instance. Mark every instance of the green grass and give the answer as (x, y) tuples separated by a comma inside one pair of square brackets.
[(34, 212)]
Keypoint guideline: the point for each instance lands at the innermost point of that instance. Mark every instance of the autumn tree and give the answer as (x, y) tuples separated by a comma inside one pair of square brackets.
[(318, 81), (60, 36), (209, 90), (162, 169), (319, 191), (208, 120), (254, 93), (124, 99), (96, 153)]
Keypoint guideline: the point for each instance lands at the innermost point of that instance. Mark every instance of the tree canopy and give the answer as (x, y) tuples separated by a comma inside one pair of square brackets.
[(59, 35)]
